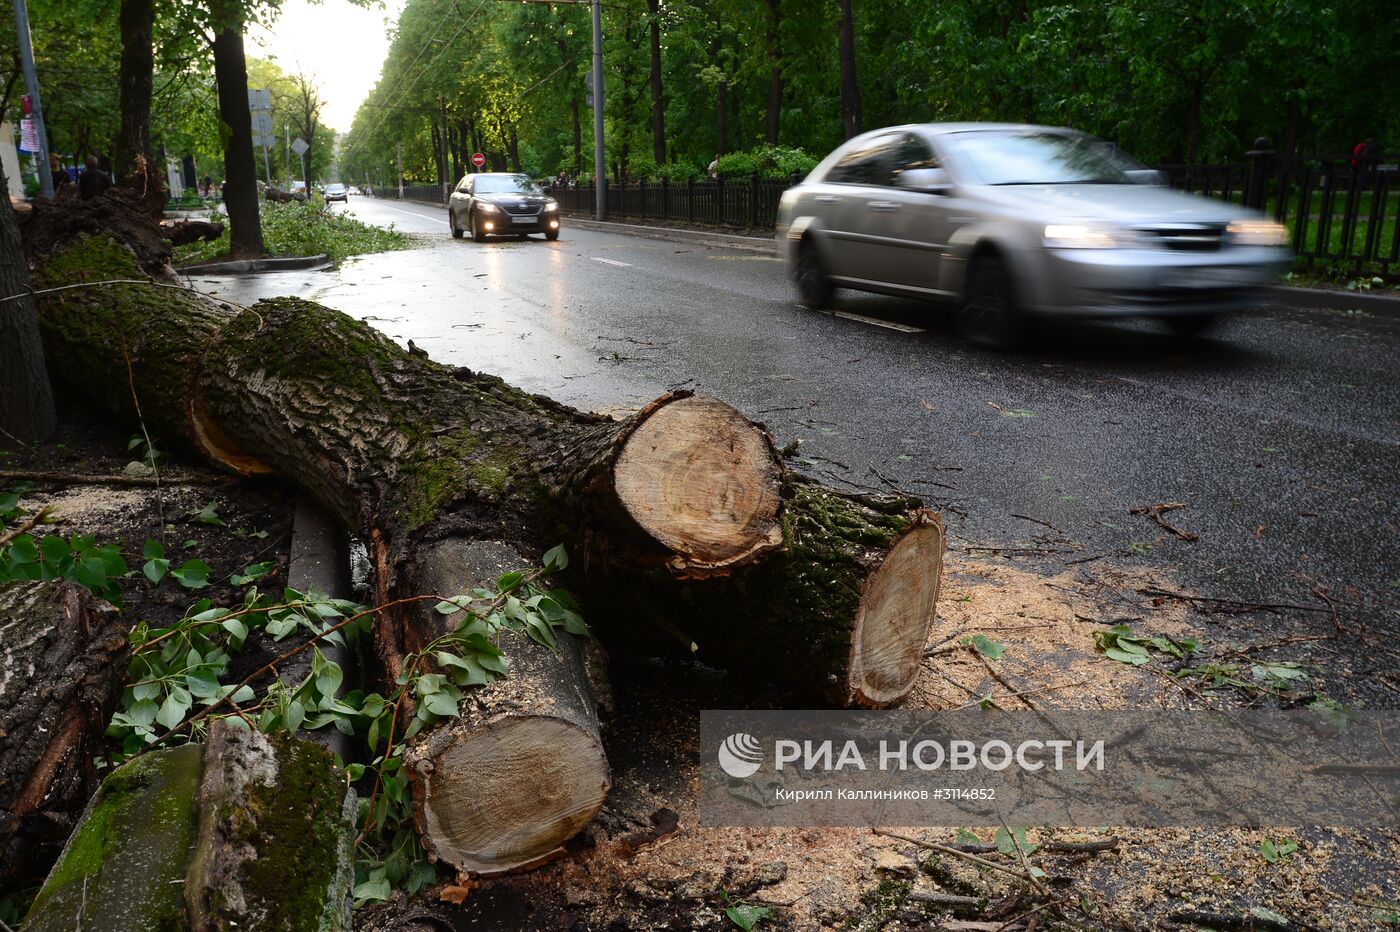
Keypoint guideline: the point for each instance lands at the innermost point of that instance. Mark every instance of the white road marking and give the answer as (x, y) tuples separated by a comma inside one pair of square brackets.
[(877, 322), (414, 213), (625, 265)]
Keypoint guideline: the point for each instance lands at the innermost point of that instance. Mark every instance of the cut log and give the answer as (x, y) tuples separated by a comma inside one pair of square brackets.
[(522, 769), (841, 612), (184, 232), (63, 658), (246, 832)]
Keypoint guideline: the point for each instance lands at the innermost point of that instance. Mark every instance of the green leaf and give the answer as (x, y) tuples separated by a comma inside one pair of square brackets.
[(192, 574), (208, 515), (1137, 658), (985, 646), (172, 710), (251, 573), (441, 704), (155, 569), (556, 559), (745, 916), (509, 581), (372, 891), (152, 550)]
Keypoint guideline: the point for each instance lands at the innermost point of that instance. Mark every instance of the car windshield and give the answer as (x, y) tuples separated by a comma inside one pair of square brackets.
[(335, 188), (1039, 157), (506, 184)]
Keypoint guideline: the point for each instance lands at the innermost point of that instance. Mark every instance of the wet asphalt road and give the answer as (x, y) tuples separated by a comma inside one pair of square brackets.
[(1279, 432)]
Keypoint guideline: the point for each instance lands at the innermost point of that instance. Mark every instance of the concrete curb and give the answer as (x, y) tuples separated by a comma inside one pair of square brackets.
[(319, 560), (1327, 299), (247, 266)]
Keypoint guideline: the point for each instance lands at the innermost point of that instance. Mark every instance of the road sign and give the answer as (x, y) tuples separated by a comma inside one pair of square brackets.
[(299, 146), (262, 124), (259, 99), (478, 159), (264, 141)]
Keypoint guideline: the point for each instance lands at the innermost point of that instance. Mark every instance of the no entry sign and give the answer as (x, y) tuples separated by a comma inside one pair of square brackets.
[(478, 159)]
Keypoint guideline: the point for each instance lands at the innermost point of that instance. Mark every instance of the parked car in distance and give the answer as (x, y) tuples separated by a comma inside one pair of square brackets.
[(336, 192), (501, 204), (1008, 221)]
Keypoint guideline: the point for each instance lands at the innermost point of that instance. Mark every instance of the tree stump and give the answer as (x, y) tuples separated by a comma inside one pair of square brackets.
[(245, 832)]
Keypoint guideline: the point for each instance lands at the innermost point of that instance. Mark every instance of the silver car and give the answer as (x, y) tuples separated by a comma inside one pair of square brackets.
[(1007, 220)]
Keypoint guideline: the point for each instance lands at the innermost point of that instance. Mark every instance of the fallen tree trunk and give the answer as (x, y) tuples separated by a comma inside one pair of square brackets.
[(522, 769), (62, 669), (682, 501), (247, 831), (184, 232)]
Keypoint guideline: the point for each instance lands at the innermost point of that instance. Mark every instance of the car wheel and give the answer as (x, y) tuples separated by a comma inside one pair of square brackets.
[(477, 235), (551, 235), (813, 287), (989, 315), (457, 232), (1191, 325)]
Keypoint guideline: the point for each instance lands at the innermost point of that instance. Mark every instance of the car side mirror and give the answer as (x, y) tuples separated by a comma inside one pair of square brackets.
[(1146, 176), (928, 180)]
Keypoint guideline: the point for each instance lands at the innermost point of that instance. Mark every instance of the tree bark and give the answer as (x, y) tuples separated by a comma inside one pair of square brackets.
[(248, 831), (62, 668), (522, 769), (240, 168), (26, 399), (135, 79), (850, 85), (775, 73), (658, 102)]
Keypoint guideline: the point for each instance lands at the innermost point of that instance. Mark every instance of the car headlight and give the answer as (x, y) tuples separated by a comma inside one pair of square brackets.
[(551, 207), (1088, 236), (1258, 233), (486, 207)]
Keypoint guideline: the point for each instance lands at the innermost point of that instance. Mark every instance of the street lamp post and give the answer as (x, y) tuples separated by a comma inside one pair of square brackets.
[(31, 81), (600, 160)]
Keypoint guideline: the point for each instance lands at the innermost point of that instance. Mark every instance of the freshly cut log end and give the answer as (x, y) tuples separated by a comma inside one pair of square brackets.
[(897, 608), (511, 795), (522, 769), (703, 480)]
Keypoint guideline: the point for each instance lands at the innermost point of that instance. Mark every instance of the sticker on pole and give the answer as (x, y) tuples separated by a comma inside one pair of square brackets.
[(28, 136), (478, 159)]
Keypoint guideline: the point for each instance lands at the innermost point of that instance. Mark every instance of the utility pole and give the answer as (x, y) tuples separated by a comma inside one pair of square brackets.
[(399, 158), (31, 82), (287, 130), (599, 156)]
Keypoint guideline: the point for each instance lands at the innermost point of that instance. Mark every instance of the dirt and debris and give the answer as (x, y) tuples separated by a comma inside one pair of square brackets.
[(646, 864)]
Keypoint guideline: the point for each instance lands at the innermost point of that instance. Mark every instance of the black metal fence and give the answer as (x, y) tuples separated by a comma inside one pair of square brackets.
[(750, 203), (1334, 213)]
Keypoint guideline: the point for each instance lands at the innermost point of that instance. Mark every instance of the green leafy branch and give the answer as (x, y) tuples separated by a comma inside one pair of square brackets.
[(177, 673)]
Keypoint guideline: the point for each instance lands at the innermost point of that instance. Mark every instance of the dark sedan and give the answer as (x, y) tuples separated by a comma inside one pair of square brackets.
[(501, 204)]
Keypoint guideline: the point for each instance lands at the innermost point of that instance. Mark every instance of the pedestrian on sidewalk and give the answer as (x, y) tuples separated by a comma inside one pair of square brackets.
[(93, 181)]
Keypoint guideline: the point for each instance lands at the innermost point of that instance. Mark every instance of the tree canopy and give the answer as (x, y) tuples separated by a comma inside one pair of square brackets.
[(1170, 80)]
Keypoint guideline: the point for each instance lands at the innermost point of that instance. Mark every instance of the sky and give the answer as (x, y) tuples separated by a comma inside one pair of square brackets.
[(342, 45)]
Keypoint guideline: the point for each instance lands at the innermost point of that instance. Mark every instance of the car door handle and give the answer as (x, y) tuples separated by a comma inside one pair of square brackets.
[(827, 198), (884, 205)]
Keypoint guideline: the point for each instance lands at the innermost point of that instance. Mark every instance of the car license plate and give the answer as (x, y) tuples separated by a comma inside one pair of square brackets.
[(1208, 277), (527, 219)]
